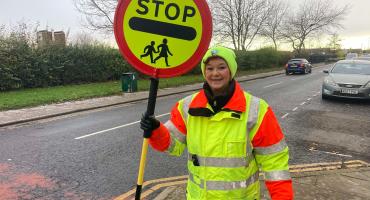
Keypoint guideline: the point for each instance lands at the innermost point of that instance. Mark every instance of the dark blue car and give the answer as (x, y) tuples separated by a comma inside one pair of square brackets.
[(298, 65)]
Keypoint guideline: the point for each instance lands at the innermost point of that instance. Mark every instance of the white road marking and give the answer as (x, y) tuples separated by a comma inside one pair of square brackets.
[(294, 109), (332, 153), (315, 95), (309, 99), (303, 103), (293, 79), (114, 128), (284, 116), (272, 85)]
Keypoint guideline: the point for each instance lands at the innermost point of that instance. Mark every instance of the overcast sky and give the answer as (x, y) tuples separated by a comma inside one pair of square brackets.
[(62, 15)]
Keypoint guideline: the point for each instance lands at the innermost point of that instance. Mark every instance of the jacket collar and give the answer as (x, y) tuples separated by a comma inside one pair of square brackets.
[(236, 103)]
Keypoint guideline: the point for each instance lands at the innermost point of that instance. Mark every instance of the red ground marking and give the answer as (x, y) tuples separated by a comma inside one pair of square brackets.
[(15, 186), (6, 192), (18, 186), (33, 180), (4, 167)]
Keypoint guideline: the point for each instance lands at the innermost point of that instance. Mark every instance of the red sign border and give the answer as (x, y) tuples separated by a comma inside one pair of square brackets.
[(164, 73)]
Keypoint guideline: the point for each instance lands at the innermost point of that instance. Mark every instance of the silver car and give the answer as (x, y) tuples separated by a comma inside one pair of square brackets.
[(348, 79)]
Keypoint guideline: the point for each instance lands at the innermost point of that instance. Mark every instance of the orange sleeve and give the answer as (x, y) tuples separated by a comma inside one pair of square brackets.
[(160, 139), (280, 190), (269, 132), (177, 120)]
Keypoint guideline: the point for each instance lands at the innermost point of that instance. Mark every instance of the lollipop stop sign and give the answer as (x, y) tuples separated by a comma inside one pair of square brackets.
[(163, 38)]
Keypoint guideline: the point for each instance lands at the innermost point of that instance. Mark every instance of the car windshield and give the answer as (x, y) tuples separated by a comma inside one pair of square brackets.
[(363, 58), (351, 55), (351, 68), (296, 60)]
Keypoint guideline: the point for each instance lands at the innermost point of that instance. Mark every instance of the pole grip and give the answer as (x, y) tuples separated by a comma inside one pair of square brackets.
[(151, 101), (149, 111)]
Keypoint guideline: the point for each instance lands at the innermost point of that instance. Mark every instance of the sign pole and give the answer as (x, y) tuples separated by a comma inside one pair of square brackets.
[(161, 40), (149, 111)]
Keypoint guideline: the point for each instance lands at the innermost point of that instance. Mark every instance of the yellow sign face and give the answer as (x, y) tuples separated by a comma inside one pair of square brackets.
[(162, 33)]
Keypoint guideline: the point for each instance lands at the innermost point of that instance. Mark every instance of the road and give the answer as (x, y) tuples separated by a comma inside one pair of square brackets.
[(95, 155)]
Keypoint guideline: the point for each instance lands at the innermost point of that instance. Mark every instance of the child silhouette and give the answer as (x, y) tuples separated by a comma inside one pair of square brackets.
[(148, 51), (163, 52)]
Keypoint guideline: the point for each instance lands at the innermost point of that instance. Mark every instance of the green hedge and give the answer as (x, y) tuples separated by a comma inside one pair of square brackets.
[(262, 58), (22, 65)]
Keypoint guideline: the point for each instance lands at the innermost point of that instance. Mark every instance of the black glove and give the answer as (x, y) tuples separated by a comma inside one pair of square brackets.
[(149, 123)]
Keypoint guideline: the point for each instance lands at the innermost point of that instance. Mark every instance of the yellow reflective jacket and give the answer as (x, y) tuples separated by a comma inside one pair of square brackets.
[(227, 149)]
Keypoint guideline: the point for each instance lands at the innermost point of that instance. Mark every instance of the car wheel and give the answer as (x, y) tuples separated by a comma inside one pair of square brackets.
[(323, 96), (310, 70)]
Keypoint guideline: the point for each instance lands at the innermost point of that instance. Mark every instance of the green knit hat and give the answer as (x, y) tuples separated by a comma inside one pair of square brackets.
[(225, 53)]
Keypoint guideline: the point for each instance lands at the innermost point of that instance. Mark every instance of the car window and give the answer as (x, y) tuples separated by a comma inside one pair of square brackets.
[(363, 58), (350, 68), (351, 55), (295, 61)]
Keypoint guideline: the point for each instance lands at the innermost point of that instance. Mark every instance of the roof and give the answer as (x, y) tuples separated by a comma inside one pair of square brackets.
[(298, 59), (355, 61)]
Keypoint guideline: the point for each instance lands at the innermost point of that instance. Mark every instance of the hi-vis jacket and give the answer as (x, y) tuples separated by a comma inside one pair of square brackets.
[(228, 149)]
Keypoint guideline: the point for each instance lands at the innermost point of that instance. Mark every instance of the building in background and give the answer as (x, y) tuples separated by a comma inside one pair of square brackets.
[(60, 38), (46, 37)]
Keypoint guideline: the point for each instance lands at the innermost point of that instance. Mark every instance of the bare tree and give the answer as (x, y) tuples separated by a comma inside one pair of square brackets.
[(239, 21), (84, 39), (312, 17), (2, 29), (334, 42), (99, 14), (274, 22)]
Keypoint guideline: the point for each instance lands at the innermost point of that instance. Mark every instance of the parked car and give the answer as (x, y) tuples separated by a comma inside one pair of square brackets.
[(298, 65), (348, 79), (363, 58), (350, 56)]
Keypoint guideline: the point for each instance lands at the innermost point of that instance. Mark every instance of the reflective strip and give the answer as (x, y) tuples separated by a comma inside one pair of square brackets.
[(172, 145), (226, 185), (175, 132), (250, 155), (185, 107), (277, 175), (253, 113), (220, 162), (275, 148)]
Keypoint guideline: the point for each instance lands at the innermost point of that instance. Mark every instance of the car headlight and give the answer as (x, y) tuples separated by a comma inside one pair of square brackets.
[(329, 81)]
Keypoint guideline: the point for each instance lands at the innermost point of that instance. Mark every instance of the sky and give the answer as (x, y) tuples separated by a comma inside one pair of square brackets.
[(62, 15)]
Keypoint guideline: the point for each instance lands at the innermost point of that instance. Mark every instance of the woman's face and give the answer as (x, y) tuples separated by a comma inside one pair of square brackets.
[(217, 75)]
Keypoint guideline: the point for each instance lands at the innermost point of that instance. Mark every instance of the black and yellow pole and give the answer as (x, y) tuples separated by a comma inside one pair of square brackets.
[(149, 111)]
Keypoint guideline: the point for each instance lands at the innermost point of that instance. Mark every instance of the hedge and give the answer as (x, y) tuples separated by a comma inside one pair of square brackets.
[(22, 65)]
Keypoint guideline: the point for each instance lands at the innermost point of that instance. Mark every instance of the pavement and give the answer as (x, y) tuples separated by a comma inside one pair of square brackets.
[(352, 183), (338, 180)]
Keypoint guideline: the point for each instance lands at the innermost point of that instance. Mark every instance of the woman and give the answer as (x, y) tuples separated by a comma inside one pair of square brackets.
[(230, 135)]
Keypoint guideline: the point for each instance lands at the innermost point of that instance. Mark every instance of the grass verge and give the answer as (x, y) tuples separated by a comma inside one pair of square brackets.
[(40, 96)]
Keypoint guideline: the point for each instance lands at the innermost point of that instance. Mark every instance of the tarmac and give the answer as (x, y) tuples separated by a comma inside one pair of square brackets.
[(348, 180), (347, 183)]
